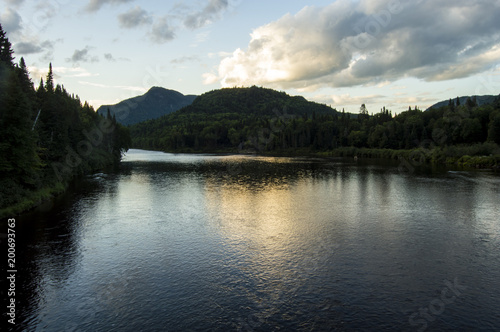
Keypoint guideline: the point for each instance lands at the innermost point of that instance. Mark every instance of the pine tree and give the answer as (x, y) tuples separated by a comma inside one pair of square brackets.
[(49, 84), (19, 160), (6, 51)]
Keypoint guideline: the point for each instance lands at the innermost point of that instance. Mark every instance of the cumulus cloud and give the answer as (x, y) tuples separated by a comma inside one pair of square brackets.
[(34, 47), (206, 15), (11, 21), (95, 5), (350, 43), (162, 32), (134, 17), (82, 55)]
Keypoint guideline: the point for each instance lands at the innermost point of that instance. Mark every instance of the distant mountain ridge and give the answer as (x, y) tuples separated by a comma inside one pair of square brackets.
[(480, 100), (155, 103)]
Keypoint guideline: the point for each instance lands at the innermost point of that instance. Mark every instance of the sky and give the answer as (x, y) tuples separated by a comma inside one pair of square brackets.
[(344, 53)]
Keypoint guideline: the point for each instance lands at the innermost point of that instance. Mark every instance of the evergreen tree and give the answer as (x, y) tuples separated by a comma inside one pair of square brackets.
[(19, 161), (49, 84), (6, 52)]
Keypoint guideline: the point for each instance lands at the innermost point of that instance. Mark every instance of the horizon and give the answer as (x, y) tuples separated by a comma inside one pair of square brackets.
[(392, 54), (335, 109)]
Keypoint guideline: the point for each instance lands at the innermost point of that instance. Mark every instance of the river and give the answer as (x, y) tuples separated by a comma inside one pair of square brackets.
[(226, 243)]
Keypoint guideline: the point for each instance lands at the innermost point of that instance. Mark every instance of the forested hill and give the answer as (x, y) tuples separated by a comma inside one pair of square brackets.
[(153, 104), (474, 100), (225, 118), (254, 101), (47, 136), (266, 121)]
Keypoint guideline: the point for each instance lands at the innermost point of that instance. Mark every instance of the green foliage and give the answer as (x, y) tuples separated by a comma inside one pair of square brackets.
[(263, 120), (6, 52), (68, 139)]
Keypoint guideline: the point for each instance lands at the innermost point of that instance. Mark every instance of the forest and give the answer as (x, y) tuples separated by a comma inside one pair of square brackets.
[(48, 137), (261, 120)]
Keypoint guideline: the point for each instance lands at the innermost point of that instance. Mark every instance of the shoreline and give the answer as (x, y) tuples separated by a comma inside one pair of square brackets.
[(449, 156), (412, 158)]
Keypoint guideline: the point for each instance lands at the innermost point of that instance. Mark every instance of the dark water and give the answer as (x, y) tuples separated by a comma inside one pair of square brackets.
[(226, 243)]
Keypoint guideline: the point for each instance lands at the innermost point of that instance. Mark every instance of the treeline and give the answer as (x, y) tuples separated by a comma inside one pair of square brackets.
[(47, 136), (263, 120)]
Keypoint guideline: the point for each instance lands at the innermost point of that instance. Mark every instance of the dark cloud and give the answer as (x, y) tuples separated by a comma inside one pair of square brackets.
[(82, 55), (109, 57), (360, 42), (162, 32), (95, 5), (11, 21), (207, 15), (134, 17), (27, 48)]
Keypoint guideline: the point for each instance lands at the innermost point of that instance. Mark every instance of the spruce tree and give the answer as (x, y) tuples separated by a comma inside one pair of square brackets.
[(6, 51), (49, 84)]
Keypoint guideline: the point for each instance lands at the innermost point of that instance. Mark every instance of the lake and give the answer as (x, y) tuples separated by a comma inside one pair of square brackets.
[(247, 243)]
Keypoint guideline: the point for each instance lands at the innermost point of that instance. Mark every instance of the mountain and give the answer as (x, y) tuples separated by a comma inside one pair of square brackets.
[(480, 100), (254, 100), (153, 104), (230, 117)]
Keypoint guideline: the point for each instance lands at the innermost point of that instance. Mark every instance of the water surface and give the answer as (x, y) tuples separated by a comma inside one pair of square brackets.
[(222, 243)]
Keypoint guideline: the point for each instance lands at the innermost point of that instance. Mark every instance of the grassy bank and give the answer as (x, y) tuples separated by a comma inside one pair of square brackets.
[(33, 200), (483, 155)]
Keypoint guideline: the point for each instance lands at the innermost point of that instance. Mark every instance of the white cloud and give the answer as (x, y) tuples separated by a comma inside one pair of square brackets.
[(122, 87), (349, 43)]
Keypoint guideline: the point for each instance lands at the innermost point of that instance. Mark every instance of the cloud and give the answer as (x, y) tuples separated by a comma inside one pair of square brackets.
[(162, 32), (95, 5), (206, 15), (185, 59), (122, 87), (82, 56), (37, 73), (35, 47), (27, 48), (134, 17), (11, 21), (16, 3), (109, 57), (349, 43)]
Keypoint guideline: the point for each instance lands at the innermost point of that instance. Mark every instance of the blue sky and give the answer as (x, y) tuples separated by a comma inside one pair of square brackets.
[(393, 53)]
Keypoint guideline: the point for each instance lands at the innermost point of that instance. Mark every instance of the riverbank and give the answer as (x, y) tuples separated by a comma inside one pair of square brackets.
[(34, 199), (478, 156)]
